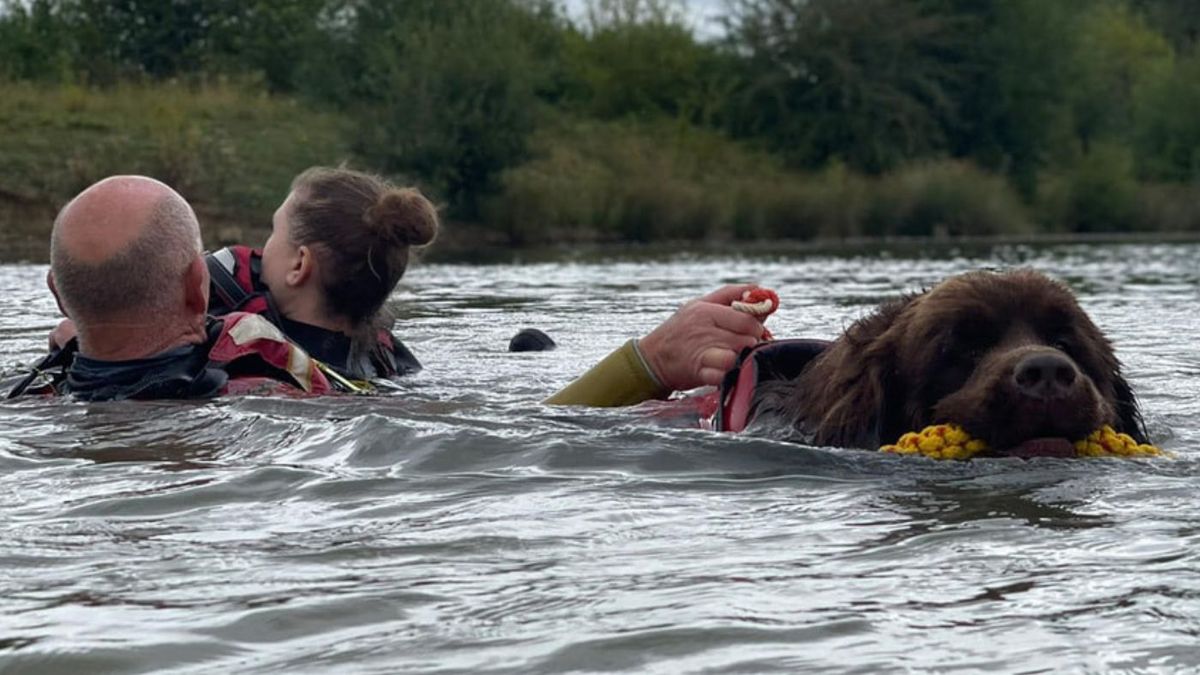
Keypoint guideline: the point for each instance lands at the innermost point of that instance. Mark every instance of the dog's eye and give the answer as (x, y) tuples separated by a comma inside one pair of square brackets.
[(962, 351), (1060, 339), (970, 339)]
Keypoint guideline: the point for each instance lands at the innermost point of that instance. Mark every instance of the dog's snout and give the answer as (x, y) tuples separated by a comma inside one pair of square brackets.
[(1045, 376)]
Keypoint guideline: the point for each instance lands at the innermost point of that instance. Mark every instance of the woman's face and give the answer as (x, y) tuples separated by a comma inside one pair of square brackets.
[(280, 255)]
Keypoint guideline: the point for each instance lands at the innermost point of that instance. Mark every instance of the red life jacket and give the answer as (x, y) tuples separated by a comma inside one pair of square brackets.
[(246, 343), (236, 274)]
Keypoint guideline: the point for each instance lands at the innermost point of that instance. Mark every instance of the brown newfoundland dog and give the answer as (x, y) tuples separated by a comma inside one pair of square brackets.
[(1009, 356)]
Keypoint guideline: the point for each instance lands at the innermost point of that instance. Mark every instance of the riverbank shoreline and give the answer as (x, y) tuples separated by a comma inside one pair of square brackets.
[(466, 248)]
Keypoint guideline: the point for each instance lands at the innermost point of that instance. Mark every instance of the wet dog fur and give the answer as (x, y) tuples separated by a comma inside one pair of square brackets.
[(1010, 356)]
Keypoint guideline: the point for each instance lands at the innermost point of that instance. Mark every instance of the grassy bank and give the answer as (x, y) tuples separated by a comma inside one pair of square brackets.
[(232, 152), (591, 181)]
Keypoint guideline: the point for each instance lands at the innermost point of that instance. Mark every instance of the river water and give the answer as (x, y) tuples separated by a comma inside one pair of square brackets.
[(463, 527)]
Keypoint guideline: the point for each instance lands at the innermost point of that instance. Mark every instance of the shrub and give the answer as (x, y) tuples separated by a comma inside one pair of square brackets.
[(1097, 194), (947, 198), (1169, 208), (230, 152), (639, 182)]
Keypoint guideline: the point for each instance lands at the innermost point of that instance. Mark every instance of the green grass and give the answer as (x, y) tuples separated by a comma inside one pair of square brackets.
[(229, 151), (232, 152)]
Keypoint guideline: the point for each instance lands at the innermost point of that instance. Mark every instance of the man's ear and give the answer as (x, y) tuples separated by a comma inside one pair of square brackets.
[(54, 292), (303, 267), (195, 286)]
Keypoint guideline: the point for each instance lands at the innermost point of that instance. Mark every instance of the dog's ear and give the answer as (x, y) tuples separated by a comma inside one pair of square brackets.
[(1129, 415), (864, 414), (847, 397)]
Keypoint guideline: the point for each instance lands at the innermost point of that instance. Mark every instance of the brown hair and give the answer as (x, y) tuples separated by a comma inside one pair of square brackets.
[(360, 227)]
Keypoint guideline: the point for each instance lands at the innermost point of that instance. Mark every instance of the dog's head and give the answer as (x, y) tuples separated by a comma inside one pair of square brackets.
[(1009, 356)]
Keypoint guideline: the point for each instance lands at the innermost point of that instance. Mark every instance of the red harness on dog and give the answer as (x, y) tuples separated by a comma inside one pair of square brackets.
[(734, 402)]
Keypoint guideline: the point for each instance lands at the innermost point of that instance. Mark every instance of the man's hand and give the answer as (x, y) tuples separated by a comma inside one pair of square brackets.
[(63, 333), (701, 341)]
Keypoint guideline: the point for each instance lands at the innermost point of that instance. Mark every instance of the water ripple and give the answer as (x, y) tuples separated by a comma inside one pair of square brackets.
[(464, 527)]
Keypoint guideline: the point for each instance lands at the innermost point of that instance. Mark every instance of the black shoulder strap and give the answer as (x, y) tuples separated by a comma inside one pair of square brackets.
[(54, 365), (225, 285), (394, 360)]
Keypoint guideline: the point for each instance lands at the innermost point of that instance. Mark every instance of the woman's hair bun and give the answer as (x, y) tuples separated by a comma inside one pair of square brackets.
[(404, 217)]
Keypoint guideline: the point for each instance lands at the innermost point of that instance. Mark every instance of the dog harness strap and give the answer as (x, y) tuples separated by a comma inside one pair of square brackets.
[(764, 362)]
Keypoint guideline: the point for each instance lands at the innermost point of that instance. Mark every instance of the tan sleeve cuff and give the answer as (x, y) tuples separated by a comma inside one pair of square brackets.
[(622, 378)]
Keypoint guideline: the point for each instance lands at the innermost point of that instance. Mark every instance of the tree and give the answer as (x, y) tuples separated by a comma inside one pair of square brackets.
[(444, 89), (1177, 20), (638, 59), (1168, 128), (862, 81), (34, 42), (1117, 57)]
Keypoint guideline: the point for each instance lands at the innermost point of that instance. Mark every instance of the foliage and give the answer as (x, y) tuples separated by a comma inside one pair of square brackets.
[(805, 118), (444, 90), (1013, 116), (643, 182), (860, 81), (1169, 207), (1177, 20), (1098, 194), (230, 151), (639, 59), (1118, 56), (34, 44), (1168, 128), (945, 199), (103, 41)]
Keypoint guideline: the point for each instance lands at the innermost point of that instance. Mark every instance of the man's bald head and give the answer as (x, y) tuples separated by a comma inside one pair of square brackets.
[(122, 248)]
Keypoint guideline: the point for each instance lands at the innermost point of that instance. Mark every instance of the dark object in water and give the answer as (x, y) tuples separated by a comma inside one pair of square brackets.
[(531, 340)]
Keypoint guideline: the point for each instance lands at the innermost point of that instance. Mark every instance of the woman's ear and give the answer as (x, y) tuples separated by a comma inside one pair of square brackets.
[(303, 265)]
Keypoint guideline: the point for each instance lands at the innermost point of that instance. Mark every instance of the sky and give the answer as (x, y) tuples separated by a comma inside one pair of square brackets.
[(703, 14)]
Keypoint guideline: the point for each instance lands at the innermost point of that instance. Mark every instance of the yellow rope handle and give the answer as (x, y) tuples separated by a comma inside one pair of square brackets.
[(950, 441)]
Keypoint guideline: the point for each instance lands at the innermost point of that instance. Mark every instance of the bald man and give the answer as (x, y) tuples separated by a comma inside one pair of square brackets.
[(127, 269), (126, 264)]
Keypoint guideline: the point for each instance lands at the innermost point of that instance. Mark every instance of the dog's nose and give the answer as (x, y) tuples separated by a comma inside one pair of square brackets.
[(1045, 376)]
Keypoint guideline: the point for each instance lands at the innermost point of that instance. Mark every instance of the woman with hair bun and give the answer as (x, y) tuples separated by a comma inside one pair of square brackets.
[(339, 245)]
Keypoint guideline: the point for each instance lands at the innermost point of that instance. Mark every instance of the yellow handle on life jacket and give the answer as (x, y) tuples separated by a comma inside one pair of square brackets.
[(347, 385)]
